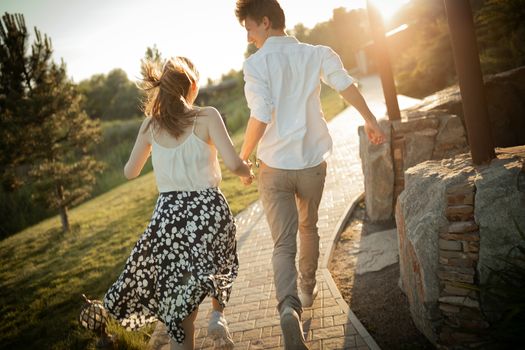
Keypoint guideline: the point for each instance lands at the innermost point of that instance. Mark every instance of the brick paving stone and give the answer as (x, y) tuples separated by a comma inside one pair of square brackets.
[(251, 312), (267, 321), (328, 321), (252, 334), (266, 332), (328, 332), (339, 343), (314, 345), (236, 336), (242, 326), (265, 343)]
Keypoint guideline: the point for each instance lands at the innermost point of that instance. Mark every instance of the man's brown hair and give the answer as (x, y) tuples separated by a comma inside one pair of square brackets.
[(257, 9)]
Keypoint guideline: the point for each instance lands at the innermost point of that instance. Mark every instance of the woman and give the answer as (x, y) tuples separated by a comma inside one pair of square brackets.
[(188, 250)]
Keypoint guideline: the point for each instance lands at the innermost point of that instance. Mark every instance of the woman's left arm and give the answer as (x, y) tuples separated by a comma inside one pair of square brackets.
[(140, 153)]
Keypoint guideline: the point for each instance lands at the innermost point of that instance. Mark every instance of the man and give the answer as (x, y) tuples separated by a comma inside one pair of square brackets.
[(282, 86)]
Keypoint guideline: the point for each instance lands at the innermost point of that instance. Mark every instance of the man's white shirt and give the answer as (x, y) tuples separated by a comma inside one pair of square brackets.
[(282, 88)]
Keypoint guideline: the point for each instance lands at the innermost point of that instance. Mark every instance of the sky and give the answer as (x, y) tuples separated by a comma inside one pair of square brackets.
[(96, 36)]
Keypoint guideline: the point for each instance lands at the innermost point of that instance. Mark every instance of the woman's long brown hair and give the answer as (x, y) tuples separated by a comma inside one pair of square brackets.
[(167, 91)]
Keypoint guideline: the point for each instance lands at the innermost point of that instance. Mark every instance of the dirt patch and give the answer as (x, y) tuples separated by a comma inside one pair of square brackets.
[(374, 297)]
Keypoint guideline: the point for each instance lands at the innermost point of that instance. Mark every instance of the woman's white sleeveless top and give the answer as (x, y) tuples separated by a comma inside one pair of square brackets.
[(190, 166)]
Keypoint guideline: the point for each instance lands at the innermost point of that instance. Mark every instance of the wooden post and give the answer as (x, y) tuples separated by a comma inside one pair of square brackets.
[(468, 69), (382, 59)]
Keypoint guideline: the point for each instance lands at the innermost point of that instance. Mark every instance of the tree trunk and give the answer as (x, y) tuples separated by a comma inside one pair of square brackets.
[(62, 209), (64, 219), (382, 59)]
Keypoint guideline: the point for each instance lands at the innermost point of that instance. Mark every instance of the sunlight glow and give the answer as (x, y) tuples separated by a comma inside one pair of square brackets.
[(96, 36), (389, 8)]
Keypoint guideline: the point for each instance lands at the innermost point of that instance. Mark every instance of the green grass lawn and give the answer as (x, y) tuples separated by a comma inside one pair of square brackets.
[(43, 272)]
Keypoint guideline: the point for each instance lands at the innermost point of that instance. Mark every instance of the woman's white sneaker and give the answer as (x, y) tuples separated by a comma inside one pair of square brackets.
[(219, 332)]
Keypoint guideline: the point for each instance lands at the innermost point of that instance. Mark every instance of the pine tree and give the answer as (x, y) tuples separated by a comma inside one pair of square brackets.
[(44, 135), (153, 54), (17, 122)]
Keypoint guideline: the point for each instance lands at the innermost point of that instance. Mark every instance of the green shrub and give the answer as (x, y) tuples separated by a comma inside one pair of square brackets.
[(506, 288), (118, 138)]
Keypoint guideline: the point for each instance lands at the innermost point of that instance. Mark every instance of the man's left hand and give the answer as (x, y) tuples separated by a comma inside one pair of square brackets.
[(374, 133)]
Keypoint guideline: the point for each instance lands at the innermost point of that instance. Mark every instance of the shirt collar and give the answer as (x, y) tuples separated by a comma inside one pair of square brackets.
[(285, 39)]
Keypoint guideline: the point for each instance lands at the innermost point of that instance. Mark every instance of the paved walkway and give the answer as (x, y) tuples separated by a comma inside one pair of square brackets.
[(251, 312)]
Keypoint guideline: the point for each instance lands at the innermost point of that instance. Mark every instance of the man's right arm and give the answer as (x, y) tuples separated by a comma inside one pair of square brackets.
[(258, 98), (254, 132)]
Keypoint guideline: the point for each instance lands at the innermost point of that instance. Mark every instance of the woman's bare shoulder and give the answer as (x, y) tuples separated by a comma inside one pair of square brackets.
[(209, 114), (209, 111), (146, 123)]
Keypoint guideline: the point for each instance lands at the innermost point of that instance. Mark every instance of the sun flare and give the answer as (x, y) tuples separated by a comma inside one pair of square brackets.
[(388, 8)]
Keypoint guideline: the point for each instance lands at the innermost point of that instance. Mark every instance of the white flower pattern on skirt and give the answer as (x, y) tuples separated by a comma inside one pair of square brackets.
[(187, 252)]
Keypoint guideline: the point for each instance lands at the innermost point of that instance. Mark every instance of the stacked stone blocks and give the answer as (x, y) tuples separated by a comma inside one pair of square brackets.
[(463, 321)]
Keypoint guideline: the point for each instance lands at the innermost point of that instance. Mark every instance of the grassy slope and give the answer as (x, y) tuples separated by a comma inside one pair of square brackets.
[(43, 273)]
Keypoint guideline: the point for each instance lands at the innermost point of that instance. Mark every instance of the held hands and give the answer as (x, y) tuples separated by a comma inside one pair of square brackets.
[(246, 181), (374, 133)]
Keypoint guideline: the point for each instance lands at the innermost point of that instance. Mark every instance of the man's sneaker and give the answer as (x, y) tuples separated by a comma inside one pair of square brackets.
[(307, 300), (292, 330), (219, 332)]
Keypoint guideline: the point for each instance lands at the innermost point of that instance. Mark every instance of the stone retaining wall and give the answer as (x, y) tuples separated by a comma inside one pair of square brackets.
[(416, 138), (455, 222)]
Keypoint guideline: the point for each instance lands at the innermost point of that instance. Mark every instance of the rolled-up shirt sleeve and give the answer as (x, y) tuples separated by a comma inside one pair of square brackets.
[(257, 94), (332, 71)]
